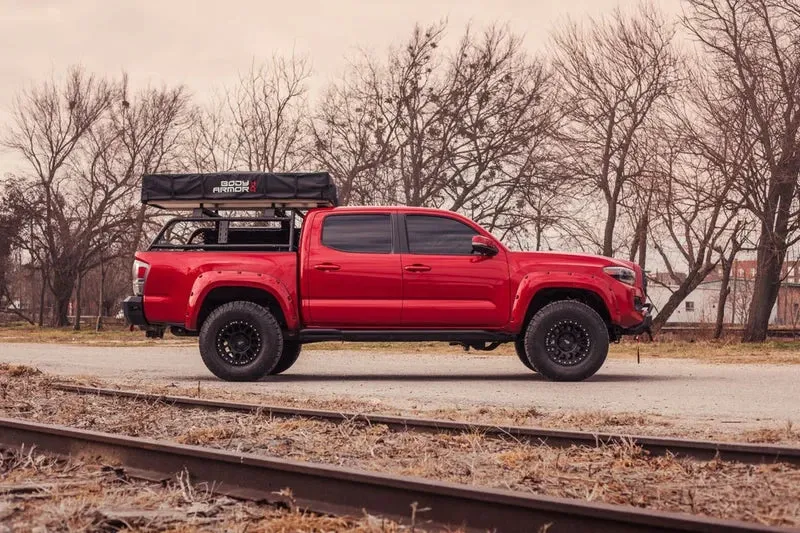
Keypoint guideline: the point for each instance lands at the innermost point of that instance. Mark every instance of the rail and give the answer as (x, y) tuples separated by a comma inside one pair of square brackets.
[(344, 491), (697, 449)]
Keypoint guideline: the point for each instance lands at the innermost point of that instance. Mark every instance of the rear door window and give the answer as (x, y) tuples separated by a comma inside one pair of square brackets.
[(432, 235), (365, 234)]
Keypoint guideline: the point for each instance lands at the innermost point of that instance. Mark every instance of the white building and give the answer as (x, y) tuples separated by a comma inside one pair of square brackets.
[(700, 306)]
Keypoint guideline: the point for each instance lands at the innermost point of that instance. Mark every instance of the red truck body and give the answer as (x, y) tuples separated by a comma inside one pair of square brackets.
[(386, 291), (255, 289)]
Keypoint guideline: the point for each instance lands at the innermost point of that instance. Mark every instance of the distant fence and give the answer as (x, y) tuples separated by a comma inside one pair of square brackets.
[(86, 321), (706, 331)]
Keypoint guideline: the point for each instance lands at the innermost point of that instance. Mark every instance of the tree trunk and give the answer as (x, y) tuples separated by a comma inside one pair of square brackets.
[(639, 244), (63, 287), (608, 234), (771, 250), (724, 291), (765, 290), (77, 325), (99, 325), (668, 308), (42, 295), (538, 237), (643, 242)]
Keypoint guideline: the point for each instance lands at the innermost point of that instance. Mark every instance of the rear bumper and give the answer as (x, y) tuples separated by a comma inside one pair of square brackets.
[(133, 309)]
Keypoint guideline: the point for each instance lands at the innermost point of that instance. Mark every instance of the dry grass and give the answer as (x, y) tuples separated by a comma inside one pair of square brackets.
[(633, 423), (770, 352), (112, 335), (40, 492), (622, 474), (595, 421), (725, 351)]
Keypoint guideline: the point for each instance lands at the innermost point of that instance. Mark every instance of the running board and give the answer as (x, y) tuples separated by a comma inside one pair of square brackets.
[(406, 335)]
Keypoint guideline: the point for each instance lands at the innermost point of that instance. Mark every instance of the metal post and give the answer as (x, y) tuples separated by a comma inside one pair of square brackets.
[(291, 230)]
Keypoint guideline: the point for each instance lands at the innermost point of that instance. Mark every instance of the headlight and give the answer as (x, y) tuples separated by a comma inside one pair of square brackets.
[(625, 275)]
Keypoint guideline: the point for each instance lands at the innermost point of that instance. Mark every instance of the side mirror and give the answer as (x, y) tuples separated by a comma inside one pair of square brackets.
[(484, 246)]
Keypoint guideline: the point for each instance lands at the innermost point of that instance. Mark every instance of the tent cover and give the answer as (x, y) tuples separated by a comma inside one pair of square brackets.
[(239, 190)]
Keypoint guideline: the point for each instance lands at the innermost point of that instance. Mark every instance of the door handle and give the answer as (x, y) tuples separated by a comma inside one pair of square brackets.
[(327, 267), (418, 268)]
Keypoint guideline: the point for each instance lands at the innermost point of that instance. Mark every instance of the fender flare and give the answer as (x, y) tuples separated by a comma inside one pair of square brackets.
[(210, 280), (534, 282)]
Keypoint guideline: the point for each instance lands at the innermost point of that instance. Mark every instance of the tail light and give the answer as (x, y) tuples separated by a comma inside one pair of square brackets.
[(140, 270)]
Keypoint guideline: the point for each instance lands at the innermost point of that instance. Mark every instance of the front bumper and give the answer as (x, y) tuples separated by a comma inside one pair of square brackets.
[(644, 325), (133, 309)]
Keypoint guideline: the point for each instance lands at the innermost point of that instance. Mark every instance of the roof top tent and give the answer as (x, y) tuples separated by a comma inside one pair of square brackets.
[(239, 190), (281, 197)]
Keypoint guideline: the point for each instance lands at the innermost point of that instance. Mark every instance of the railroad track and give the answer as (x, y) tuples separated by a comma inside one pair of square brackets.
[(696, 449), (343, 491)]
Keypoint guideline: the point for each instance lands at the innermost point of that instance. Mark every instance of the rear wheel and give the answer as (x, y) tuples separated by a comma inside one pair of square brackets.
[(519, 345), (566, 341), (241, 341), (291, 351)]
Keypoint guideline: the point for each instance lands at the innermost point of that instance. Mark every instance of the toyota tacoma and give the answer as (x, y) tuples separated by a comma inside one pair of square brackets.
[(268, 262)]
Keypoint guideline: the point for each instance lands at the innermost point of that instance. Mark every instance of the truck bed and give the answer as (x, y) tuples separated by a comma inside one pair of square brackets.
[(178, 277)]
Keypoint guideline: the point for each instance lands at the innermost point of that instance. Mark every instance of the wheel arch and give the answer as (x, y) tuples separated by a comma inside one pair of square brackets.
[(535, 297), (211, 291)]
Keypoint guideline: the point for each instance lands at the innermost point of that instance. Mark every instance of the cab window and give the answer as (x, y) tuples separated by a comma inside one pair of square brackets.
[(432, 235), (365, 234)]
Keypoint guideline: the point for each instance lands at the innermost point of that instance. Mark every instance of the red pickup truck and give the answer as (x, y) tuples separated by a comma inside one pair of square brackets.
[(256, 288)]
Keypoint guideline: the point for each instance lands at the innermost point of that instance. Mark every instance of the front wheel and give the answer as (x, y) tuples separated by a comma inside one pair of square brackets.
[(291, 351), (241, 341), (566, 341)]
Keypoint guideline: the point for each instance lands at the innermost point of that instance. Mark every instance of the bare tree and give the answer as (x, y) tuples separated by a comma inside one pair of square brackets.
[(350, 134), (754, 53), (259, 124), (86, 146), (507, 117), (737, 241), (614, 74), (460, 129), (691, 222), (542, 197), (12, 219), (50, 123)]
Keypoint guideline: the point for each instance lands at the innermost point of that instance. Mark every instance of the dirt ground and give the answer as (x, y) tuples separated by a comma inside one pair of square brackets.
[(618, 474), (777, 351), (721, 398)]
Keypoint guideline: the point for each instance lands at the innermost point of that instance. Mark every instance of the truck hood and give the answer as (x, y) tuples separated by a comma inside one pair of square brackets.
[(566, 260)]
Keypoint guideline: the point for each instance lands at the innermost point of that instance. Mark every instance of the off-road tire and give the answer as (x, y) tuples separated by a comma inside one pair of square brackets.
[(216, 345), (291, 351), (519, 346), (566, 341)]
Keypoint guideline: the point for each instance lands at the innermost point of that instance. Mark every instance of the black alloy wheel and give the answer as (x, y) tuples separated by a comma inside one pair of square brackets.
[(238, 342), (567, 343), (241, 341)]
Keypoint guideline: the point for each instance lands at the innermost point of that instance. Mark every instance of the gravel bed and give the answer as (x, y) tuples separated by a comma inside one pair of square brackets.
[(617, 474)]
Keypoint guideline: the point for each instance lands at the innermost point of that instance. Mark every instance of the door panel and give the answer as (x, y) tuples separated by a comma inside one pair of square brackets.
[(457, 291), (353, 278), (444, 284)]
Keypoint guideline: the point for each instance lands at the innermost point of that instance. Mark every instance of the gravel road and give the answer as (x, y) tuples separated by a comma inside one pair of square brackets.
[(716, 393)]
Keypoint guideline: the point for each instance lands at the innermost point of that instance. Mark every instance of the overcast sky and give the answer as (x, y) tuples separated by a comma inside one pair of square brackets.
[(204, 44)]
